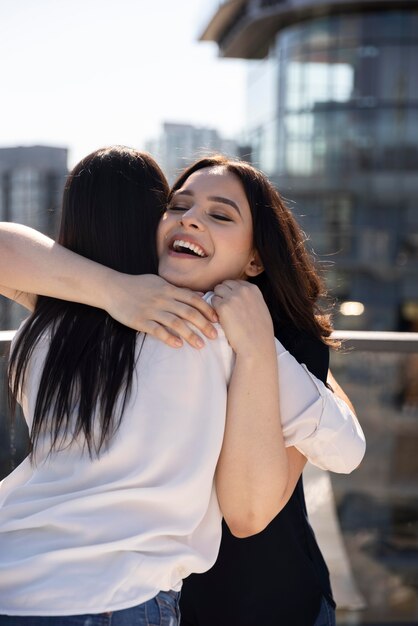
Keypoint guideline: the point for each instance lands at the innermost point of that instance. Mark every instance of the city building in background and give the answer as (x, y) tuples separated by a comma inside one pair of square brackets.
[(31, 183), (180, 144), (333, 120)]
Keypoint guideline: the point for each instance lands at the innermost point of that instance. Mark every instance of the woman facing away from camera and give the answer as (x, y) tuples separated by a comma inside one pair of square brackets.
[(224, 221)]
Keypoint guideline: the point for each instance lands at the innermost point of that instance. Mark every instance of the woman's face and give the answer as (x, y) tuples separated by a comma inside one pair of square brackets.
[(206, 234)]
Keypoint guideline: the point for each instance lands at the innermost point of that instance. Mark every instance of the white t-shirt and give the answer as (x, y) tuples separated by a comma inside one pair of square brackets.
[(81, 535)]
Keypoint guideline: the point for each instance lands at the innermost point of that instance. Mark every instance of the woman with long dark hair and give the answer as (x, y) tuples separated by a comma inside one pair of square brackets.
[(278, 575), (216, 227), (101, 522)]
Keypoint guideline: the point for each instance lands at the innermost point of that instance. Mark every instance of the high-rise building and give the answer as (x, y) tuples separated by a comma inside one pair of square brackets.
[(179, 144), (333, 120), (31, 183)]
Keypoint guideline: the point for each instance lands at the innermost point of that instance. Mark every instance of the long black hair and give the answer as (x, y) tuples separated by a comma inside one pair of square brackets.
[(112, 203), (290, 282)]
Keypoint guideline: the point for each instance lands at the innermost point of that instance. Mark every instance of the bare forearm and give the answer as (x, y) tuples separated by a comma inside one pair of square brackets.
[(252, 473), (33, 263), (27, 300)]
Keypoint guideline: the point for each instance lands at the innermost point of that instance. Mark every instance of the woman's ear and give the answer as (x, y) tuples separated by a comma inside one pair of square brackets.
[(255, 266)]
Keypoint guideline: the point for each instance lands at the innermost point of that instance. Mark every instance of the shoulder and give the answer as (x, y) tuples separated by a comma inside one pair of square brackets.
[(306, 349), (216, 355)]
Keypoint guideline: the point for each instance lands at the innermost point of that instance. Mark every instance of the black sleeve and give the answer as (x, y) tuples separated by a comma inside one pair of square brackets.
[(306, 349)]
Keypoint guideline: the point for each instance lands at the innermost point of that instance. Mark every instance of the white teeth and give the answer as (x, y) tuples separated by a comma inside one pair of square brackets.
[(179, 243)]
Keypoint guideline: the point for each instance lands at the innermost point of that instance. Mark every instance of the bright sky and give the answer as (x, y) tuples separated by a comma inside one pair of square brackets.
[(87, 73)]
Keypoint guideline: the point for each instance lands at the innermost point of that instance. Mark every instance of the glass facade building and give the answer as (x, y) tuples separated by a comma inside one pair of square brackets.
[(31, 184), (333, 120)]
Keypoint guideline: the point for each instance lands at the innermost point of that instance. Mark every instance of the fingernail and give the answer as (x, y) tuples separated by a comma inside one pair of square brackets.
[(177, 343), (215, 317), (199, 343), (213, 333)]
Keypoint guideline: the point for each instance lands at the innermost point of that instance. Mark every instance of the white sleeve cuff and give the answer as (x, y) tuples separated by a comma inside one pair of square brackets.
[(338, 444), (316, 421)]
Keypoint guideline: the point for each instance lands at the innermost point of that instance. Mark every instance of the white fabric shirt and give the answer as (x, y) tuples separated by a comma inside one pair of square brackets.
[(81, 535)]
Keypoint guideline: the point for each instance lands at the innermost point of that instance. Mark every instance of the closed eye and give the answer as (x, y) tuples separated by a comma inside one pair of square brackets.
[(215, 216), (177, 208), (222, 218)]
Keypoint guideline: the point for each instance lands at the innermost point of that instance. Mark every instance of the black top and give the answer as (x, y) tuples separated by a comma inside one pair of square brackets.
[(274, 578)]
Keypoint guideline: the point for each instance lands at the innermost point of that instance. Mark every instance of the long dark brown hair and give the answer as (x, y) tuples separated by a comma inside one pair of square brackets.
[(290, 283), (112, 203)]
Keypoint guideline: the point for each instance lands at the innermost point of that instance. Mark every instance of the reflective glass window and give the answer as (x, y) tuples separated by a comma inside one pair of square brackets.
[(341, 81), (299, 144), (410, 148), (390, 137), (319, 34), (316, 81), (262, 79), (385, 26), (338, 222), (349, 29), (410, 25), (293, 85), (410, 72), (391, 73)]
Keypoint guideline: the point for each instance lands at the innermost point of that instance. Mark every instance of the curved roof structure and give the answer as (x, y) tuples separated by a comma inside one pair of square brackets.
[(245, 28)]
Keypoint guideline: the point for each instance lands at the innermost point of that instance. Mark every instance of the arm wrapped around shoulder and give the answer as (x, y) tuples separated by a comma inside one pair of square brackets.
[(315, 420)]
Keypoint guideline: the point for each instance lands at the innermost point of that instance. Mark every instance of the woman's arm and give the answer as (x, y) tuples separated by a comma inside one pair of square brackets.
[(273, 401), (27, 300), (31, 263), (254, 474)]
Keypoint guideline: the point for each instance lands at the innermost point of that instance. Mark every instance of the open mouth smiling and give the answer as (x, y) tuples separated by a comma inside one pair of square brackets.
[(187, 247)]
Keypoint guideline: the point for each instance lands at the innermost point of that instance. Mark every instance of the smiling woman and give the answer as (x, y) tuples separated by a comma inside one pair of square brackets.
[(218, 229), (235, 215)]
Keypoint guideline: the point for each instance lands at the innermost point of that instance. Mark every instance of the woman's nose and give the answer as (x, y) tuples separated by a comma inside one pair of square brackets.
[(190, 219)]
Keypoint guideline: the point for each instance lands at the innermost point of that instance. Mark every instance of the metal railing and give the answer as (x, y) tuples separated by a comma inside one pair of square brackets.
[(377, 341), (361, 340), (6, 336)]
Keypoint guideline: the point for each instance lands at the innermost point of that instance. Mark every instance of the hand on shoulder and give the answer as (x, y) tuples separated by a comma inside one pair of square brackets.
[(244, 316), (150, 304)]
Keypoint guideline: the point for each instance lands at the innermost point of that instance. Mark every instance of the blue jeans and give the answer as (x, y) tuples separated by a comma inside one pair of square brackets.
[(163, 610), (326, 615)]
